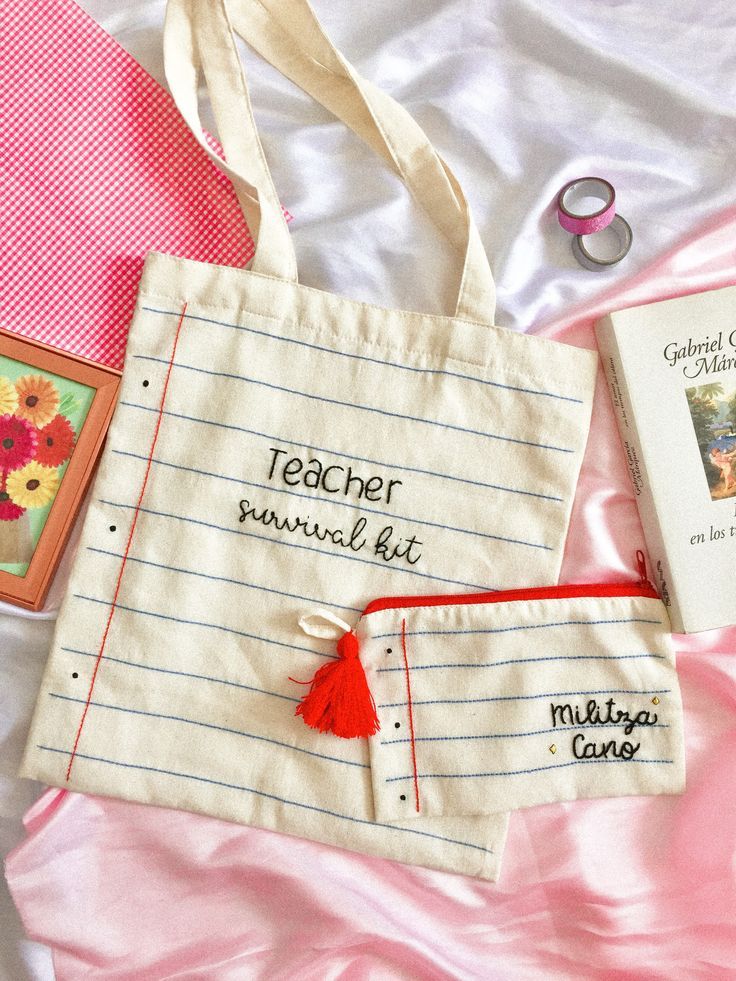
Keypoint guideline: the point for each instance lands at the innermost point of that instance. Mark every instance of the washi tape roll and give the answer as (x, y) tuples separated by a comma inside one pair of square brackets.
[(573, 211), (595, 260)]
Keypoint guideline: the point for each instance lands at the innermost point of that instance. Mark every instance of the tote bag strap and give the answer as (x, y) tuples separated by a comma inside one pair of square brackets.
[(200, 34)]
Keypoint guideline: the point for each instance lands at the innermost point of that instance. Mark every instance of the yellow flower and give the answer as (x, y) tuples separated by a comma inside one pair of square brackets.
[(38, 399), (33, 485), (8, 397)]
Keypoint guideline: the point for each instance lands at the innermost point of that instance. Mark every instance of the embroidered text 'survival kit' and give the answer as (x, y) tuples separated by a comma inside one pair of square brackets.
[(276, 447)]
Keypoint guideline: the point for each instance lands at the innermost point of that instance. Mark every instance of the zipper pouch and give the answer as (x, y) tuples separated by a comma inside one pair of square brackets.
[(482, 703)]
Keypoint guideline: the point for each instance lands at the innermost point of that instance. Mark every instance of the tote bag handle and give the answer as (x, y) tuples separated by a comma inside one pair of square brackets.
[(199, 35)]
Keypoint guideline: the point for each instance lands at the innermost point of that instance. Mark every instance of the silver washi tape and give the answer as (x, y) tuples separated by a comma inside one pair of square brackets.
[(582, 252)]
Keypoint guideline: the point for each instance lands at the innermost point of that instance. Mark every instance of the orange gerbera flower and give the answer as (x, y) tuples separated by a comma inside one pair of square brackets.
[(38, 399), (55, 442)]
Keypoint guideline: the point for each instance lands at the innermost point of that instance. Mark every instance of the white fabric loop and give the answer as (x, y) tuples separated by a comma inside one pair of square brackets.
[(334, 632)]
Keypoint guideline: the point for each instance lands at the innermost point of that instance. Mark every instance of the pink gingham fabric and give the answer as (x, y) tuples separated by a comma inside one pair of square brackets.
[(97, 168)]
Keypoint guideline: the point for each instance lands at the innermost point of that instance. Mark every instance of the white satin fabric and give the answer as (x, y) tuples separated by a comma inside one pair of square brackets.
[(519, 97)]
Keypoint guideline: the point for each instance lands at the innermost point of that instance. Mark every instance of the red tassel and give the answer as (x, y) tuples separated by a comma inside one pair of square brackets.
[(339, 700)]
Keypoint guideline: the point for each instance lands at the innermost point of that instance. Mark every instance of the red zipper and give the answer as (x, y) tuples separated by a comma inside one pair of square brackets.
[(642, 587)]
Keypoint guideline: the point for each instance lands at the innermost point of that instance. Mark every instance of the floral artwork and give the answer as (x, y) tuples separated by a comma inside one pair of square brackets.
[(40, 419), (35, 439), (55, 408)]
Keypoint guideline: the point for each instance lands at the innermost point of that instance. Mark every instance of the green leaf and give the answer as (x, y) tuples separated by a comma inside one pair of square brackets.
[(68, 404)]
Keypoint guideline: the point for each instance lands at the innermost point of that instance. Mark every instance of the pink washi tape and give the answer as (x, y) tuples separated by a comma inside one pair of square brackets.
[(573, 207)]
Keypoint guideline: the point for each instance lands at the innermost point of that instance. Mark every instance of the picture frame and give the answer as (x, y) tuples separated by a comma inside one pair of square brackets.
[(55, 409)]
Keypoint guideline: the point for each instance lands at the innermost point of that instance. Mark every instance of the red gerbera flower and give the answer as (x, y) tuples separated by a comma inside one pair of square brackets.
[(9, 510), (18, 442), (55, 442)]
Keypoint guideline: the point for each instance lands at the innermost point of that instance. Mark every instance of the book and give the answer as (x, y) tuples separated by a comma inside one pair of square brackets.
[(671, 372)]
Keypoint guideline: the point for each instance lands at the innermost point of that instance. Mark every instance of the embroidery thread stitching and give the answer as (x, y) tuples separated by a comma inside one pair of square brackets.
[(361, 357), (184, 674), (127, 546), (343, 455), (411, 714), (394, 828), (360, 406)]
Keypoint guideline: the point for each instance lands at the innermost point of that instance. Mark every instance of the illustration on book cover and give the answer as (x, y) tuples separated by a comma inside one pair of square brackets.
[(713, 413)]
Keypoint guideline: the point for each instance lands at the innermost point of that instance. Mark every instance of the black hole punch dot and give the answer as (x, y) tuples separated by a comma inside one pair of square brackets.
[(397, 725), (403, 797), (146, 383), (74, 674), (113, 528), (389, 650)]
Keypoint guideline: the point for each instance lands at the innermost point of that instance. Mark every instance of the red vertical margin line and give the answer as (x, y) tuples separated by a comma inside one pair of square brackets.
[(411, 714), (113, 606)]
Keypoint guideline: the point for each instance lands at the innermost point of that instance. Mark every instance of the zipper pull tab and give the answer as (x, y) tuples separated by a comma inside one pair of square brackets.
[(641, 564)]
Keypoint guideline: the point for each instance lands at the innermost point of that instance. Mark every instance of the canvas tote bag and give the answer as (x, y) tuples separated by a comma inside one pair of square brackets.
[(276, 448)]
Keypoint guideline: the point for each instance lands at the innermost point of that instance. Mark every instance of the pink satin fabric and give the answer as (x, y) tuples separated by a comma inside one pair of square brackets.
[(607, 889)]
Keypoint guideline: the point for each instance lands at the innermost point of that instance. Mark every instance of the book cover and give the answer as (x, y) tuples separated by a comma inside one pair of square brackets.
[(671, 373)]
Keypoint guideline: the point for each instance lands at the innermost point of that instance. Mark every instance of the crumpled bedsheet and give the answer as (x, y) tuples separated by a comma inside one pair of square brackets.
[(610, 889)]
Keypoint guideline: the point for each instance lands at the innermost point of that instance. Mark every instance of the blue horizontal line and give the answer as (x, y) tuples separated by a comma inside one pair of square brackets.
[(355, 405), (200, 623), (505, 630), (363, 357), (309, 548), (184, 674), (207, 725), (516, 698), (332, 500), (261, 793), (516, 773), (514, 735), (235, 582), (527, 660), (338, 453)]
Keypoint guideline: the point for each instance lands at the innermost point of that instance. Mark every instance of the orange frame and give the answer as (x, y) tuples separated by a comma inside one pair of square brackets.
[(30, 591)]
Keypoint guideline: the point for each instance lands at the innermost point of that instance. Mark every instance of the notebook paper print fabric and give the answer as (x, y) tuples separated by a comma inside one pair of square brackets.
[(277, 447)]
